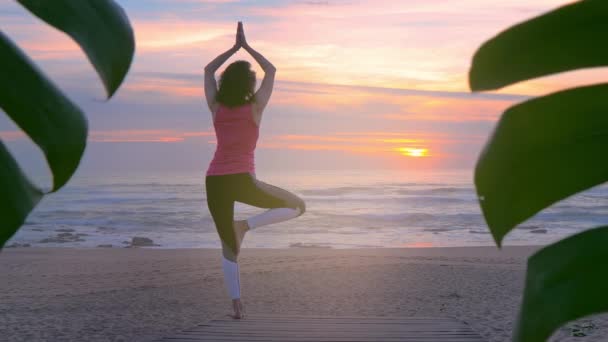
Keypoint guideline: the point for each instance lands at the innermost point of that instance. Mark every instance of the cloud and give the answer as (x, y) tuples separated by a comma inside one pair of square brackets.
[(167, 136), (422, 45), (381, 144), (160, 136), (167, 87), (171, 33), (355, 79), (340, 100)]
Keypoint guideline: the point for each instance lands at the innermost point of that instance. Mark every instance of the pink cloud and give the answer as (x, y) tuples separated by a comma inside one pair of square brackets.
[(125, 135), (164, 86), (163, 136), (390, 146), (391, 104), (384, 43), (171, 34)]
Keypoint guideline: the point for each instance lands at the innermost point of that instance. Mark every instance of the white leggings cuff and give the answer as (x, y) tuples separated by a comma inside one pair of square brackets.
[(232, 278), (271, 216)]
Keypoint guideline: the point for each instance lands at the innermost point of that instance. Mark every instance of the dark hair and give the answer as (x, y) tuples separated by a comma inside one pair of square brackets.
[(237, 85)]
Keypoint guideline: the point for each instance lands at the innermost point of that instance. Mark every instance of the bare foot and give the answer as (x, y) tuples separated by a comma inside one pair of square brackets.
[(238, 309), (240, 228)]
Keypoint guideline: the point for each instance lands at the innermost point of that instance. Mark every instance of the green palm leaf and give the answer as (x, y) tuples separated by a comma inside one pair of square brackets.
[(565, 281), (542, 151), (545, 150), (41, 110), (568, 38), (100, 27), (23, 195)]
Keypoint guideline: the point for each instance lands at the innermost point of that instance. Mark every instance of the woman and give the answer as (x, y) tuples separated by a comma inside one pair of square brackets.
[(237, 112)]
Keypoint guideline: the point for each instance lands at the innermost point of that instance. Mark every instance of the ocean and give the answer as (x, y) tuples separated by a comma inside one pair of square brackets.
[(345, 209)]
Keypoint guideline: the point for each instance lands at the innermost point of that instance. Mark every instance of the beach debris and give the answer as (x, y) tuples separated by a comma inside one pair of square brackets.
[(17, 245), (437, 230), (528, 227), (306, 245), (538, 231), (452, 294), (65, 230), (105, 246), (62, 238), (140, 241), (582, 329), (479, 231)]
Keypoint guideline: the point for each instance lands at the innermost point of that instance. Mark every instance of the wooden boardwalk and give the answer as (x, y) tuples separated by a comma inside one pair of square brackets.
[(291, 328)]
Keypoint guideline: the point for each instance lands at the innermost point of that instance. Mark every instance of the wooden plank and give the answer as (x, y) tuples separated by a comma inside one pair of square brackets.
[(326, 333), (408, 318), (237, 337), (348, 318), (345, 339), (332, 328), (354, 320), (315, 339), (336, 323), (300, 328), (329, 329)]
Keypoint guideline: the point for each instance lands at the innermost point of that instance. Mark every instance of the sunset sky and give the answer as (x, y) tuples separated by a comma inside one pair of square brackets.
[(360, 84)]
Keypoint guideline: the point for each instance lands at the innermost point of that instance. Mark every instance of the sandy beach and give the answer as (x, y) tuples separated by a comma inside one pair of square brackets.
[(136, 294)]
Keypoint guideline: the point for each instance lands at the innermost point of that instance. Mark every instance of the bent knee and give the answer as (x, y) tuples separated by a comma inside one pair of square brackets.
[(300, 205), (295, 202), (228, 253)]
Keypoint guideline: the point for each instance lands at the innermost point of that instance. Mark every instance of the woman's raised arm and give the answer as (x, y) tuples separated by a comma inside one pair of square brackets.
[(211, 68), (263, 94)]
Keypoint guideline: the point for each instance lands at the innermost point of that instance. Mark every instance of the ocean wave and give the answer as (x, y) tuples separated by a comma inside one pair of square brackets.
[(342, 215), (437, 191), (414, 218), (142, 185), (412, 184), (440, 230), (382, 190), (472, 231), (337, 191), (307, 245), (392, 199)]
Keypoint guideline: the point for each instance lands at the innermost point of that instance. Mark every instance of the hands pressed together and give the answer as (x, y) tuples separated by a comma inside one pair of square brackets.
[(240, 41)]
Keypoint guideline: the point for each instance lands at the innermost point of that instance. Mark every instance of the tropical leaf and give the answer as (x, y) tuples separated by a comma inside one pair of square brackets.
[(543, 150), (568, 38), (18, 195), (49, 118), (100, 27), (41, 110), (565, 281)]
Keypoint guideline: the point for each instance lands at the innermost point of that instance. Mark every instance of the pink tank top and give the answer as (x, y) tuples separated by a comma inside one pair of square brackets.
[(237, 135)]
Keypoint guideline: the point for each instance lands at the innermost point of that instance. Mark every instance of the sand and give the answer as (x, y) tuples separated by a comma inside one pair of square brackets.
[(136, 294)]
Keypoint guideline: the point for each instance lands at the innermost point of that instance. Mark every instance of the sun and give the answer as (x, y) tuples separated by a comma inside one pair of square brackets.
[(413, 152)]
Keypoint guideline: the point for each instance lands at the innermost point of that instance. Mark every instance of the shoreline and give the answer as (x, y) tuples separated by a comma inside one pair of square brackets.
[(290, 248), (142, 294)]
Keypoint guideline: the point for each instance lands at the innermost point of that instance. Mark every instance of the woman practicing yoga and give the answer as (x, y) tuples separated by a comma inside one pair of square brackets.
[(237, 111)]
